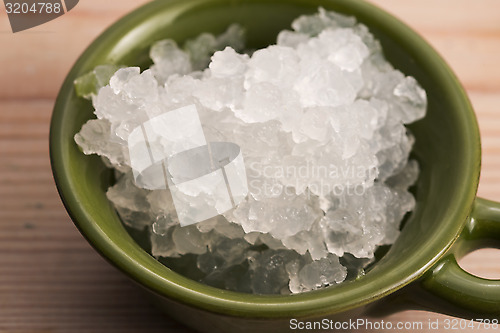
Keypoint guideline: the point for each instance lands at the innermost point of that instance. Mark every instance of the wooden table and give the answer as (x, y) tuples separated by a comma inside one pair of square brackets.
[(51, 280)]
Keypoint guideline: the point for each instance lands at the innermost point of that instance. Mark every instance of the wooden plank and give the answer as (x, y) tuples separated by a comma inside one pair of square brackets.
[(473, 58), (459, 17), (47, 52)]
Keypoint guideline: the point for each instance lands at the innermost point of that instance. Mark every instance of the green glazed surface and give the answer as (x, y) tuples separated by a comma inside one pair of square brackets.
[(447, 148)]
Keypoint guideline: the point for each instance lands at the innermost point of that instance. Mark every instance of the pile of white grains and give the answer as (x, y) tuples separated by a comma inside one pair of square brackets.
[(320, 120)]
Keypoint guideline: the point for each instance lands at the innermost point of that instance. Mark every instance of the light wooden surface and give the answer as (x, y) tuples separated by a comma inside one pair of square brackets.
[(51, 280)]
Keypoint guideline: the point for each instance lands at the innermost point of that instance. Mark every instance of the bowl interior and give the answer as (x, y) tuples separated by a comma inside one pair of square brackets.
[(447, 147)]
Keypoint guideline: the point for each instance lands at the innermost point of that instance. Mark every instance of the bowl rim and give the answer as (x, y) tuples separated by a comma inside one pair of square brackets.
[(220, 301)]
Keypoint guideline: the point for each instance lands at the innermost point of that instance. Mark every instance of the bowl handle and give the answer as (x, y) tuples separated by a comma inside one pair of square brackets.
[(461, 293)]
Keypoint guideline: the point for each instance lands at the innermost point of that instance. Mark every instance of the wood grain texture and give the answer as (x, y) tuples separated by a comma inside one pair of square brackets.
[(51, 280)]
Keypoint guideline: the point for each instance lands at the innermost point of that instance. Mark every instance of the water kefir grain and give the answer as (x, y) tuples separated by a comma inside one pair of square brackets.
[(320, 119)]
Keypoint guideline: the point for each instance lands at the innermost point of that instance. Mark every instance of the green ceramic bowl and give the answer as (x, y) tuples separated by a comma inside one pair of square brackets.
[(419, 270)]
